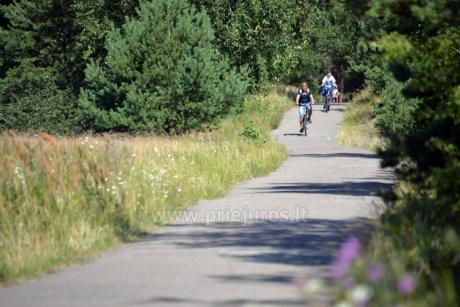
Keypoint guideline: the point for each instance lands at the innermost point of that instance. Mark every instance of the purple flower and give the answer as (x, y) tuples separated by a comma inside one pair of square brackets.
[(375, 273), (406, 284), (348, 252)]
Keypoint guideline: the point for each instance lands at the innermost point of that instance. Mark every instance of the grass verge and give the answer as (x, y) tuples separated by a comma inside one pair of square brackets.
[(64, 198), (357, 128)]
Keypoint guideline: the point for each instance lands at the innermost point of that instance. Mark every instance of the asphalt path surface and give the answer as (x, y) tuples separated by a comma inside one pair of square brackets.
[(253, 247)]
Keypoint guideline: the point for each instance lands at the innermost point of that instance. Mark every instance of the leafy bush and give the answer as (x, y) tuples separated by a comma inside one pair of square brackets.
[(161, 74), (394, 113), (252, 132), (32, 102)]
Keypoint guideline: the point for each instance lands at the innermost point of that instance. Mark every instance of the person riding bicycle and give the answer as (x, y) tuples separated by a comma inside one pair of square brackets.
[(328, 86), (336, 94), (304, 100)]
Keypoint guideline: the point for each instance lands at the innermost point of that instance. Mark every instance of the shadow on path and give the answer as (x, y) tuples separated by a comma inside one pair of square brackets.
[(305, 242), (337, 155), (236, 302), (292, 134), (291, 242), (360, 188)]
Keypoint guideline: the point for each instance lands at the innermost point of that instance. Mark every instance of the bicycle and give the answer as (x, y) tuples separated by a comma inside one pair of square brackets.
[(328, 103), (306, 123)]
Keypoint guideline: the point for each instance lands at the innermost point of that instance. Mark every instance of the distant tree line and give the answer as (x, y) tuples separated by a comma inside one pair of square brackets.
[(159, 66)]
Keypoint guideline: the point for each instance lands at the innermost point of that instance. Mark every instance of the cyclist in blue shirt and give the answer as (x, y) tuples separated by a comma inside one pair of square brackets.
[(304, 100)]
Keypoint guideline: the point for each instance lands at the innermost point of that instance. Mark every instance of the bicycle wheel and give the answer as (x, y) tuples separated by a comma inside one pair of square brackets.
[(328, 103)]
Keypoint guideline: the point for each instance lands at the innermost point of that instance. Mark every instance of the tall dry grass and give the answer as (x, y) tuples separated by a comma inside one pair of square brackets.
[(357, 128), (62, 198)]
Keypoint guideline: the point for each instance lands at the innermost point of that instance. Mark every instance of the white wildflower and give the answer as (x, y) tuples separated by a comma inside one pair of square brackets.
[(361, 294), (313, 286)]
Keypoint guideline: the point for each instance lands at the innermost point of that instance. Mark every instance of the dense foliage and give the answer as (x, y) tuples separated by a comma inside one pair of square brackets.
[(287, 40), (412, 64), (45, 47)]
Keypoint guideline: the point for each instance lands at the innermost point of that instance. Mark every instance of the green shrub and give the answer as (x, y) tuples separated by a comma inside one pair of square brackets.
[(31, 102), (253, 133), (394, 115), (161, 74)]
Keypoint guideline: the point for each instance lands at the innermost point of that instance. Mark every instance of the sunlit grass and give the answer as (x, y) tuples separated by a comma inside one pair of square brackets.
[(357, 128), (62, 198)]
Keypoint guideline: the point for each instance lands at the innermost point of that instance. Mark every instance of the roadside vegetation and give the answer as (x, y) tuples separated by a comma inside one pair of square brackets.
[(65, 197), (357, 128), (411, 75)]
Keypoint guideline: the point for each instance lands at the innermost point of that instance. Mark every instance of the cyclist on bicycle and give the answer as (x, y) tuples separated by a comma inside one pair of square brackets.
[(304, 100), (328, 86)]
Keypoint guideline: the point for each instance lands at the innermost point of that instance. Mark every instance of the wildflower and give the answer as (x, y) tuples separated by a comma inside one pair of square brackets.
[(375, 273), (361, 294), (406, 284), (348, 252), (313, 286), (179, 190)]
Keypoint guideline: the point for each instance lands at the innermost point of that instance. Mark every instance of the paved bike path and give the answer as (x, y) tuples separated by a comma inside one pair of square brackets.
[(263, 238)]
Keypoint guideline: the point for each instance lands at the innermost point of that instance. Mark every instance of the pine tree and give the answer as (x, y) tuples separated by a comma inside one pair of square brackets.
[(162, 73), (36, 54)]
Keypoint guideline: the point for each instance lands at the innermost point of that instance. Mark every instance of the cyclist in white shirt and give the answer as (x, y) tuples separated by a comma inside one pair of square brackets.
[(328, 86)]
